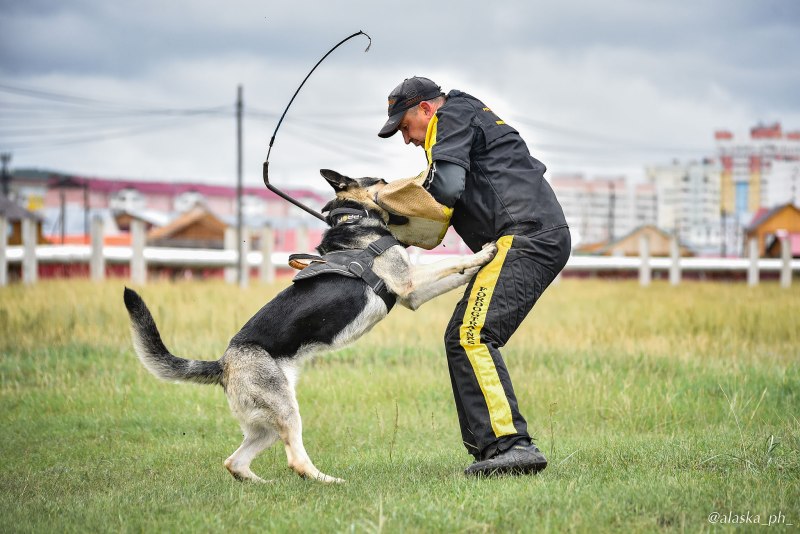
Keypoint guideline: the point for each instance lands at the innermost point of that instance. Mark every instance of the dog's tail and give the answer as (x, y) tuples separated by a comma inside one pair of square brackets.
[(155, 356)]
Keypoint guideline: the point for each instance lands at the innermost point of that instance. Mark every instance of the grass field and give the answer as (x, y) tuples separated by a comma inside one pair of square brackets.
[(656, 407)]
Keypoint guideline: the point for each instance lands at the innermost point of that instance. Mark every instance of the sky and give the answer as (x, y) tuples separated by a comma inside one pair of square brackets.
[(147, 89)]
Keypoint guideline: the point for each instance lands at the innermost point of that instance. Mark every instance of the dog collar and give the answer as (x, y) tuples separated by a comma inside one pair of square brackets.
[(347, 216)]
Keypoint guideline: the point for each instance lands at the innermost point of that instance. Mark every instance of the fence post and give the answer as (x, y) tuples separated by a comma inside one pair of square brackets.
[(675, 265), (230, 244), (752, 270), (97, 265), (244, 265), (786, 261), (138, 265), (645, 272), (30, 266), (267, 269), (3, 251)]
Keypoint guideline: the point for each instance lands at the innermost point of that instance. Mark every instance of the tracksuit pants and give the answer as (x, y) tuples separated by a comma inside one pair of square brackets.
[(494, 304)]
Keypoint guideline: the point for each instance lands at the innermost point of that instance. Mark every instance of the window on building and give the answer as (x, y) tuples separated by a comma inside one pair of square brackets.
[(253, 205), (188, 200), (128, 199)]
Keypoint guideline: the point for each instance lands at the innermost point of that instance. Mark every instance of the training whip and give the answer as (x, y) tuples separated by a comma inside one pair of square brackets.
[(272, 140)]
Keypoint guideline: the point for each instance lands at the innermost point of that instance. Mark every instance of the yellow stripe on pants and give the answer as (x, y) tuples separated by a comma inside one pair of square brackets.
[(477, 352)]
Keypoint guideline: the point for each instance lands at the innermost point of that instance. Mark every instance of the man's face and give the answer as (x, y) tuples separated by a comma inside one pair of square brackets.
[(414, 125)]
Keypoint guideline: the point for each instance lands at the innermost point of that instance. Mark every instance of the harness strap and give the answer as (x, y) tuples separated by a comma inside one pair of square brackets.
[(361, 266), (354, 264)]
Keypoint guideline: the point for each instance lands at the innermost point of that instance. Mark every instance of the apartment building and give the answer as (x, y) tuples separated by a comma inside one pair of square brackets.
[(603, 209), (688, 202)]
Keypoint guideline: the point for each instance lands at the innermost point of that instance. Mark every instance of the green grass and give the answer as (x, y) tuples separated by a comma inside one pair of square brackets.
[(655, 407)]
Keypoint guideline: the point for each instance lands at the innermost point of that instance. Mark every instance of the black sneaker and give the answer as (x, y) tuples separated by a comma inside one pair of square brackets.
[(517, 460)]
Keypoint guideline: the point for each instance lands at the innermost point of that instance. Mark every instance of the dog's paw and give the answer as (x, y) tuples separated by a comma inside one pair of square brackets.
[(488, 252), (468, 273)]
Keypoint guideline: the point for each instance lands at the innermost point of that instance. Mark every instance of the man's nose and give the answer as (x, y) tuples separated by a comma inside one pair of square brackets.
[(406, 137)]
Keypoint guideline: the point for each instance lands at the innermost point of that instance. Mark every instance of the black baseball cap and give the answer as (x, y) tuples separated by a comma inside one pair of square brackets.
[(404, 97)]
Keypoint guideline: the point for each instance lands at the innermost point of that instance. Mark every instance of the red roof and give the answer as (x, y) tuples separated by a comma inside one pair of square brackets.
[(103, 185), (763, 214), (771, 131), (759, 216)]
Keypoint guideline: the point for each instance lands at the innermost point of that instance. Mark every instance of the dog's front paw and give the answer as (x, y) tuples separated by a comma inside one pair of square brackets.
[(488, 252), (468, 273)]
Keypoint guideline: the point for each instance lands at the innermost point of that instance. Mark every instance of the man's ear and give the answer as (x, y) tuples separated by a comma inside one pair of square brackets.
[(426, 108), (338, 181)]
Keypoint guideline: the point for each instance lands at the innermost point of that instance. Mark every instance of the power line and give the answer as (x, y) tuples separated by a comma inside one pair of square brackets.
[(94, 103), (56, 119), (49, 143), (59, 119)]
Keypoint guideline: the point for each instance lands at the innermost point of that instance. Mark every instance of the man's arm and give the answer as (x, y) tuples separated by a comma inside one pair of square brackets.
[(445, 182)]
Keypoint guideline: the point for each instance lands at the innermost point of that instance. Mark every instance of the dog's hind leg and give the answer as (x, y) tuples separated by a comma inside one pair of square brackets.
[(290, 428), (256, 439)]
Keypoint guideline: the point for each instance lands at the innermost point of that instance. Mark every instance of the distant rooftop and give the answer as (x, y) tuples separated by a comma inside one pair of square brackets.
[(110, 185)]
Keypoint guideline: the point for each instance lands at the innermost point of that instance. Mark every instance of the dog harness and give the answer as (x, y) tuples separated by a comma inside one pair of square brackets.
[(350, 263)]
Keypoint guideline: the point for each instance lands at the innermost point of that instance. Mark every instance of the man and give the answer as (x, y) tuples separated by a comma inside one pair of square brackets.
[(481, 168)]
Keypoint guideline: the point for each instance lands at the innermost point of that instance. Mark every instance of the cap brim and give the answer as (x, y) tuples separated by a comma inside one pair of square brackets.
[(391, 126)]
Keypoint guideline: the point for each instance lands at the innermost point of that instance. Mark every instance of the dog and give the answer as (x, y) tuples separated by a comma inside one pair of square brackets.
[(261, 366)]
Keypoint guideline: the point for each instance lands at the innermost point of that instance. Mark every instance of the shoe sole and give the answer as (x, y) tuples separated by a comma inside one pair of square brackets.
[(532, 468)]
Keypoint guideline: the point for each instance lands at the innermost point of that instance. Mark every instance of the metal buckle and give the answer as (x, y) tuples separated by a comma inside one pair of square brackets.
[(356, 268), (376, 251)]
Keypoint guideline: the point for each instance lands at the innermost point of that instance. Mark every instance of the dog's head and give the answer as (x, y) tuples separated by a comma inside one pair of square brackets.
[(355, 191)]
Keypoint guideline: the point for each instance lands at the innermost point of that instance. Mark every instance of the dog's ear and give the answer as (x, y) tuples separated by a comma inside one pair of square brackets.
[(338, 181)]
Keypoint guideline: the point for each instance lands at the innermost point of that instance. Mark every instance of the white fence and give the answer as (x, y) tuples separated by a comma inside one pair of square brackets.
[(140, 257)]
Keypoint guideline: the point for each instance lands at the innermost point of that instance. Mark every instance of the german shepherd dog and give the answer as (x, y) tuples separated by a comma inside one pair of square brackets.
[(260, 367)]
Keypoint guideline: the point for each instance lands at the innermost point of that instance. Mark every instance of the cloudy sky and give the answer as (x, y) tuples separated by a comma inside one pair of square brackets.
[(146, 89)]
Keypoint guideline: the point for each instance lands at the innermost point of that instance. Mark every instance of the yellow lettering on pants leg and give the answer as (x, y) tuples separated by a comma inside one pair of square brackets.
[(477, 352)]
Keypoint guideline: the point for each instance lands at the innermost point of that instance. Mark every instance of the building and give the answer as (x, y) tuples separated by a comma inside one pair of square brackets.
[(68, 202), (601, 209), (749, 165), (630, 244), (761, 171), (14, 215), (770, 225), (196, 228), (688, 202), (36, 189), (784, 185)]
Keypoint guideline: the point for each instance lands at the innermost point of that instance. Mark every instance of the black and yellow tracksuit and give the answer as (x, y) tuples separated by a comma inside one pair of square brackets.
[(501, 195)]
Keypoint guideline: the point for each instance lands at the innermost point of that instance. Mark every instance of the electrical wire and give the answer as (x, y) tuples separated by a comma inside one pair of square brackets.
[(54, 119), (93, 103), (58, 119), (94, 137)]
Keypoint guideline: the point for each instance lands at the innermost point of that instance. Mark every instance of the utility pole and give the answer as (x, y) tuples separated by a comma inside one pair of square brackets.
[(241, 262), (5, 157), (611, 200)]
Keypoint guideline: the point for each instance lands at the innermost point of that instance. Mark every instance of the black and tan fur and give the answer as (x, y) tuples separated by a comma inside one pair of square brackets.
[(260, 367)]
